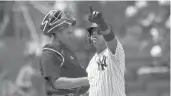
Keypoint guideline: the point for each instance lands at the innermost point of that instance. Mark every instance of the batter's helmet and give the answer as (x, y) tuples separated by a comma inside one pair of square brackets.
[(94, 27), (57, 20)]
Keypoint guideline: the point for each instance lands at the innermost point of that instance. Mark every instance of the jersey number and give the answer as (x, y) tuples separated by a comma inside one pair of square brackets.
[(102, 63)]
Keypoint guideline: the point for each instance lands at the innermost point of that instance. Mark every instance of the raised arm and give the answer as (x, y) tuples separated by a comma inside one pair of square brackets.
[(110, 39), (106, 29)]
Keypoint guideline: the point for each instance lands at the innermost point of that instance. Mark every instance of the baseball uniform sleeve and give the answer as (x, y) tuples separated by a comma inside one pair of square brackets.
[(119, 52), (50, 65), (118, 57)]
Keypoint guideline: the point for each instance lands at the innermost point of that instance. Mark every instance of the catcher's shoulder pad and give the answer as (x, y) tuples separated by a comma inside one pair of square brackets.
[(55, 49)]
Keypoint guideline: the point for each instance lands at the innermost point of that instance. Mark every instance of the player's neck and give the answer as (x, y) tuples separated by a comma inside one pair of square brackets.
[(56, 42), (100, 48)]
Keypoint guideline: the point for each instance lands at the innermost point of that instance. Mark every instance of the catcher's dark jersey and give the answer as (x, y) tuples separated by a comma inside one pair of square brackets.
[(58, 61)]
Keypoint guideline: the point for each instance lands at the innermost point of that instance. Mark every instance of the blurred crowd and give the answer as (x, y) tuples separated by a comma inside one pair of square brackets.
[(143, 27)]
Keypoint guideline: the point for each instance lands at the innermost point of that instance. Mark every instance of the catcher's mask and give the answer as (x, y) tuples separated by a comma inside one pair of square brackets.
[(57, 20)]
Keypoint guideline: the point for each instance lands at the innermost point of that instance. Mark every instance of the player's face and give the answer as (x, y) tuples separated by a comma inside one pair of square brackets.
[(66, 36), (97, 39)]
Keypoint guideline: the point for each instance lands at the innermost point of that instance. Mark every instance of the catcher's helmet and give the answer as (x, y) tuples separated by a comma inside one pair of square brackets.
[(56, 20)]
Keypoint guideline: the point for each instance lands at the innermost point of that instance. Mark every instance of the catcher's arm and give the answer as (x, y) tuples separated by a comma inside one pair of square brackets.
[(106, 29), (67, 83), (51, 71)]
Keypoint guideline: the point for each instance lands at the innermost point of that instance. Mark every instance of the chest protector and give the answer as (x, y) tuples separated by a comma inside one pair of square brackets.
[(69, 66)]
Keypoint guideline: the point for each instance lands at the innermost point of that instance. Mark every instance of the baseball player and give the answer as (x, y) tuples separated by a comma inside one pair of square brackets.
[(106, 68), (59, 66)]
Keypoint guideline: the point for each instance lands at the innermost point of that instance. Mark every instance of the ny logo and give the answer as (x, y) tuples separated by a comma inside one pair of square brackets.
[(102, 63)]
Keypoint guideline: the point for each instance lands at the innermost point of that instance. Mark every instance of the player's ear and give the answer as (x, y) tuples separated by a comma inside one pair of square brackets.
[(56, 35)]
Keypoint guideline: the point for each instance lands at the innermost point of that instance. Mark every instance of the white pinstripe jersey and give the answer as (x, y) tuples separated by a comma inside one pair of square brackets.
[(110, 81)]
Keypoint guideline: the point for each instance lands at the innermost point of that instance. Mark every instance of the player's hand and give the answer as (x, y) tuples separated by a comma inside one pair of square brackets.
[(96, 17), (82, 91)]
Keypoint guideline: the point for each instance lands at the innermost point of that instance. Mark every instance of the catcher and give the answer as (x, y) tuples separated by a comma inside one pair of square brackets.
[(58, 65)]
